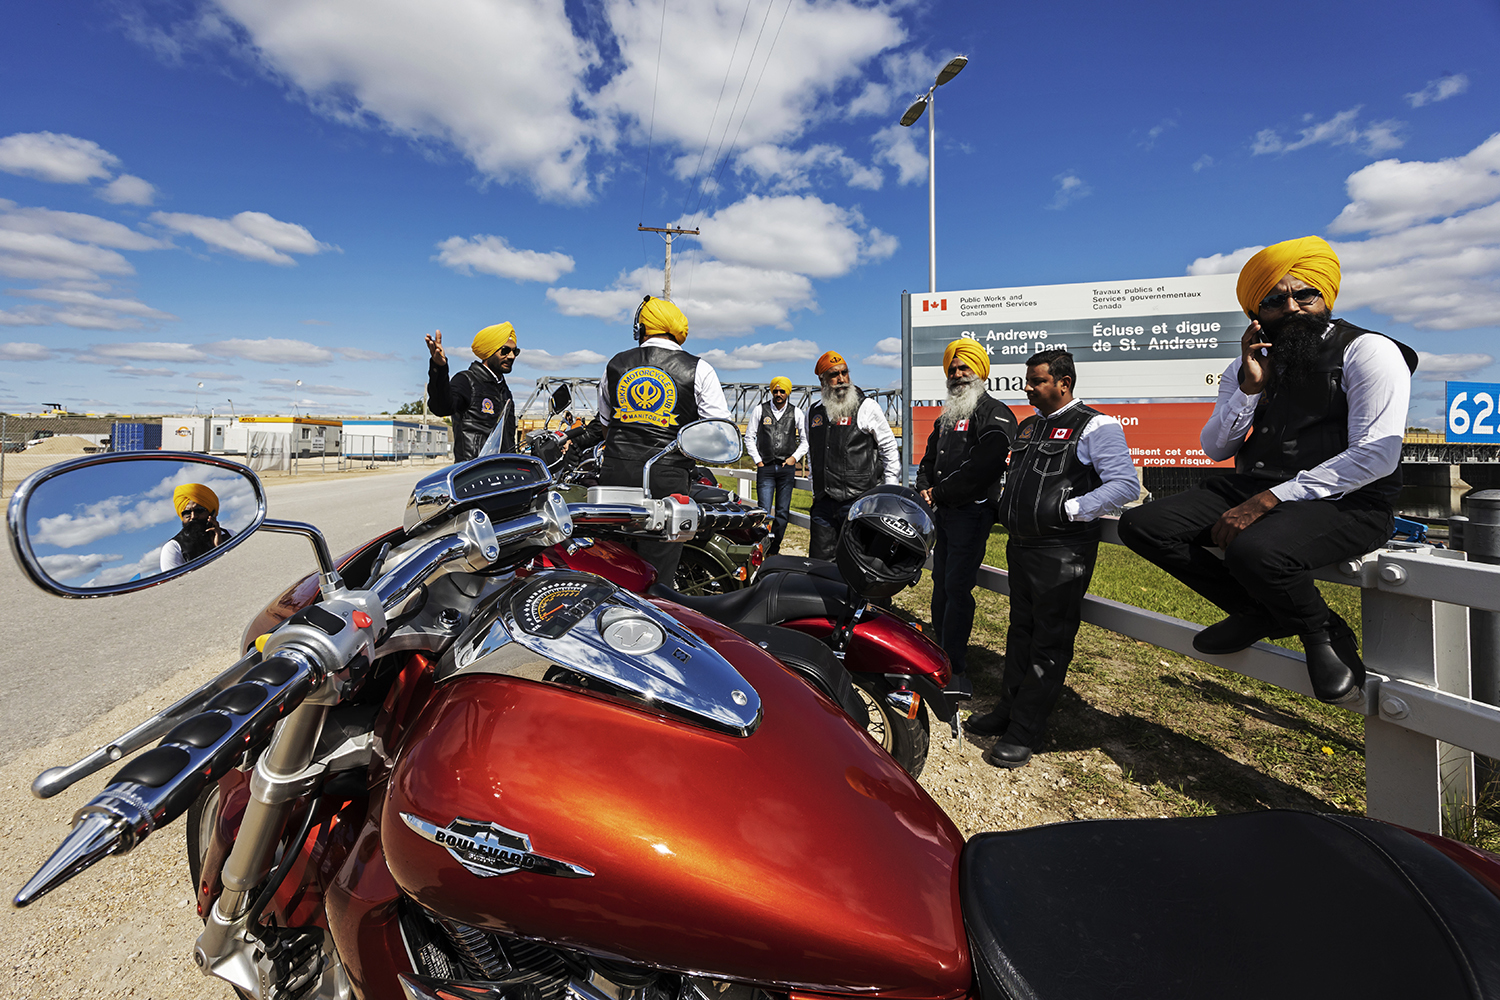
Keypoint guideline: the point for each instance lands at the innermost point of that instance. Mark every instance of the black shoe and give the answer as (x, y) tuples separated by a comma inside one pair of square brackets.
[(1333, 664), (959, 687), (1008, 755), (1235, 633), (991, 723)]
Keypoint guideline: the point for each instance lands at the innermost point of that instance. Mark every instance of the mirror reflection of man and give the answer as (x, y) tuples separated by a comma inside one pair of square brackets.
[(477, 398), (850, 448), (1313, 412), (197, 507), (776, 440), (647, 395)]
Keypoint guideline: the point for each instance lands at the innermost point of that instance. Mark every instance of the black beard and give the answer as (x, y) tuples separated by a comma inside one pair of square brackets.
[(1296, 341), (195, 540)]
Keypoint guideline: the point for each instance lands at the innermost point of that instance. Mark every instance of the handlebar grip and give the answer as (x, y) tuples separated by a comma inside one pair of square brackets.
[(160, 784)]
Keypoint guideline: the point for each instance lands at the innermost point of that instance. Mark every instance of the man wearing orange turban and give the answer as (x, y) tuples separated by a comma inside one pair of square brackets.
[(776, 440), (197, 507), (1313, 412), (477, 398), (960, 476), (648, 393), (850, 448)]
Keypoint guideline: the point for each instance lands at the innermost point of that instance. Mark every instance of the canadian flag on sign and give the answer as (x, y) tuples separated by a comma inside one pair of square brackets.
[(934, 305)]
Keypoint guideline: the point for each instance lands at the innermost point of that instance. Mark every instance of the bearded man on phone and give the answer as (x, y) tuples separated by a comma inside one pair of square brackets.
[(1313, 412)]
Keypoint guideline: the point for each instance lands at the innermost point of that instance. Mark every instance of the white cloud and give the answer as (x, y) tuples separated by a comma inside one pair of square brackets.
[(134, 372), (1433, 259), (1392, 195), (1440, 89), (127, 189), (1441, 367), (21, 351), (317, 390), (145, 351), (360, 354), (1202, 162), (802, 234), (272, 350), (61, 159), (546, 361), (1340, 130), (217, 376), (65, 565), (617, 302), (889, 345), (1070, 188), (748, 357), (87, 303), (494, 255), (792, 170), (884, 360), (48, 257), (1157, 131), (898, 147), (74, 226), (251, 235)]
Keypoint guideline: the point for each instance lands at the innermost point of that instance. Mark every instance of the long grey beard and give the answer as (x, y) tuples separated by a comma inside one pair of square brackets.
[(840, 402), (963, 397)]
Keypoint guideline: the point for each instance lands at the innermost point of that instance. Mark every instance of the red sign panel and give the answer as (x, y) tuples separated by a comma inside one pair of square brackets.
[(1160, 435)]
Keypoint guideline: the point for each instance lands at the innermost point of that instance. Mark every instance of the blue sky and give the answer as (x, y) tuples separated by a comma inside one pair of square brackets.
[(250, 193)]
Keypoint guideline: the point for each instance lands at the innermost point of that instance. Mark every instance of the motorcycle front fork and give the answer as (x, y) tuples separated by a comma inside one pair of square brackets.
[(229, 947)]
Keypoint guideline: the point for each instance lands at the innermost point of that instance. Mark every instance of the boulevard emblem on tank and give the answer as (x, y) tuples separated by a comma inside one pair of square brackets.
[(646, 395), (489, 849)]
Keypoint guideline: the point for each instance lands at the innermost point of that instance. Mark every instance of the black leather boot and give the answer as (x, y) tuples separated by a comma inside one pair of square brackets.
[(1333, 664), (991, 723), (1004, 754), (1237, 632)]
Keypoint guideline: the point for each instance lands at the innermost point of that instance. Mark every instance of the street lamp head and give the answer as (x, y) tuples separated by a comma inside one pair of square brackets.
[(954, 67), (914, 112)]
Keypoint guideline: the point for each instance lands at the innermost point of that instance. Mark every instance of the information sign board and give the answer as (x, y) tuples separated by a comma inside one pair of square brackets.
[(1471, 416)]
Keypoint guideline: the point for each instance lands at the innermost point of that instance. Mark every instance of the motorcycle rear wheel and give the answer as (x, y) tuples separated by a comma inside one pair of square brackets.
[(906, 740), (698, 574)]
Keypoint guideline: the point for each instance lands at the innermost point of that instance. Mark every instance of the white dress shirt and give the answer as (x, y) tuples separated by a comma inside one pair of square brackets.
[(707, 392), (752, 431), (1101, 444), (1378, 385)]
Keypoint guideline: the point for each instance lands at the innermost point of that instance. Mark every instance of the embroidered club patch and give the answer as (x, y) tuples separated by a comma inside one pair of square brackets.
[(1026, 432), (487, 407), (646, 395)]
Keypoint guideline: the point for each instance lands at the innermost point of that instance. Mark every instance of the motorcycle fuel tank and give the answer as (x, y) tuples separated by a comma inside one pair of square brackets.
[(799, 856)]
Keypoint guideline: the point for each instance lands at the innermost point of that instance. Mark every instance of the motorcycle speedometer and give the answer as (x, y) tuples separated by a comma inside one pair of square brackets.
[(552, 603)]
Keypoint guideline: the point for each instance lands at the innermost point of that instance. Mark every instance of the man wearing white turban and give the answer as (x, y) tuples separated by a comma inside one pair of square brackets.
[(1313, 413)]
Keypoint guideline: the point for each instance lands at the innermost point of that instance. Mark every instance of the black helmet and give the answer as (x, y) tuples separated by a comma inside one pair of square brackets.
[(885, 541)]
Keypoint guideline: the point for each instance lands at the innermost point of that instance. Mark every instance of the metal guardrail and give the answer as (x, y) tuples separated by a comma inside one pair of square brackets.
[(1421, 724)]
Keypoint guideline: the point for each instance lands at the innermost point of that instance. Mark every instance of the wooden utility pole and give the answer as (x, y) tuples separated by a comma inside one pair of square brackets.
[(668, 235)]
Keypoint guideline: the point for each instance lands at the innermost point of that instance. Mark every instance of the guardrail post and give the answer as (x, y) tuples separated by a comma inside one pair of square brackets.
[(1481, 540), (1408, 775)]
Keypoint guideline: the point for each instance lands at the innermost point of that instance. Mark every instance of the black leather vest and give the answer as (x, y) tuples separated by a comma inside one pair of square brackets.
[(955, 443), (651, 390), (489, 400), (1044, 472), (775, 438), (845, 461), (1297, 430)]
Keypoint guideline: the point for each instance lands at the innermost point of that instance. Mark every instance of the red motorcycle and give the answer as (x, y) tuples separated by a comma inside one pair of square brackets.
[(470, 778)]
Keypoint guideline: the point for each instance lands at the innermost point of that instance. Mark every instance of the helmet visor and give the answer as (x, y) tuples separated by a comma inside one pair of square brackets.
[(903, 516)]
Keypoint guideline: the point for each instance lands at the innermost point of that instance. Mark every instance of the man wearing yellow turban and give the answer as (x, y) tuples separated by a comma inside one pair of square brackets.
[(1312, 412), (960, 476), (648, 393), (477, 398), (197, 507), (850, 448), (776, 440)]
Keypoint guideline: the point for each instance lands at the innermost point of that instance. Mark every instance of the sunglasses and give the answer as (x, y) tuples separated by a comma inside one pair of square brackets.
[(1304, 296), (193, 513), (509, 352)]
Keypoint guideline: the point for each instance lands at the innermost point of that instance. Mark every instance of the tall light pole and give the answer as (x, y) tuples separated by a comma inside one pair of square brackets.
[(921, 104)]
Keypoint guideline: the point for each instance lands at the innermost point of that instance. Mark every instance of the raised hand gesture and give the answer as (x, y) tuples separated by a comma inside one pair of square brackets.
[(435, 348)]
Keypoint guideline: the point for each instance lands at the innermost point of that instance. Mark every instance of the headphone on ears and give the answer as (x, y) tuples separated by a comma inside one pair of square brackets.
[(635, 324)]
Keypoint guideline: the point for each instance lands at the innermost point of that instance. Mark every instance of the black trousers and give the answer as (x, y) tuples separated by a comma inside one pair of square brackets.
[(1047, 586), (957, 554), (773, 490), (827, 521), (1269, 566)]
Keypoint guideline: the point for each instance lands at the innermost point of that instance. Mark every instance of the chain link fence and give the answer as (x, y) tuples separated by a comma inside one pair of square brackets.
[(31, 443)]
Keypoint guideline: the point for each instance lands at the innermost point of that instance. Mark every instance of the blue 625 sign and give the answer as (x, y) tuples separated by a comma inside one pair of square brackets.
[(1471, 415)]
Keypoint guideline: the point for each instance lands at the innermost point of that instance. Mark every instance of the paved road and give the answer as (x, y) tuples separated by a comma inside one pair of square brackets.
[(64, 662)]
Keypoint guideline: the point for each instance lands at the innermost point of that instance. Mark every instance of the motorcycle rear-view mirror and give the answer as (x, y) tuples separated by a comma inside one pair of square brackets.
[(116, 523), (714, 442), (562, 398)]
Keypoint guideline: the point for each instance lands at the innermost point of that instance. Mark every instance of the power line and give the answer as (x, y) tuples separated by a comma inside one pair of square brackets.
[(719, 102), (748, 64), (651, 132)]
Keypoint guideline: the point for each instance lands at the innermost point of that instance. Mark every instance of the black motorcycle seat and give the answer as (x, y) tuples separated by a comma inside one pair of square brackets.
[(1269, 904), (801, 564), (776, 598), (812, 660), (708, 494)]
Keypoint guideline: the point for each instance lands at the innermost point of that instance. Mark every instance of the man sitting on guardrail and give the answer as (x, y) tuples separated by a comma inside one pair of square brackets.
[(1323, 403)]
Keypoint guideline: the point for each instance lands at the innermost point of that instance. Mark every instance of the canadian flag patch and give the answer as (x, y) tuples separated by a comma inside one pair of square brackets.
[(962, 425), (1060, 434), (844, 422)]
